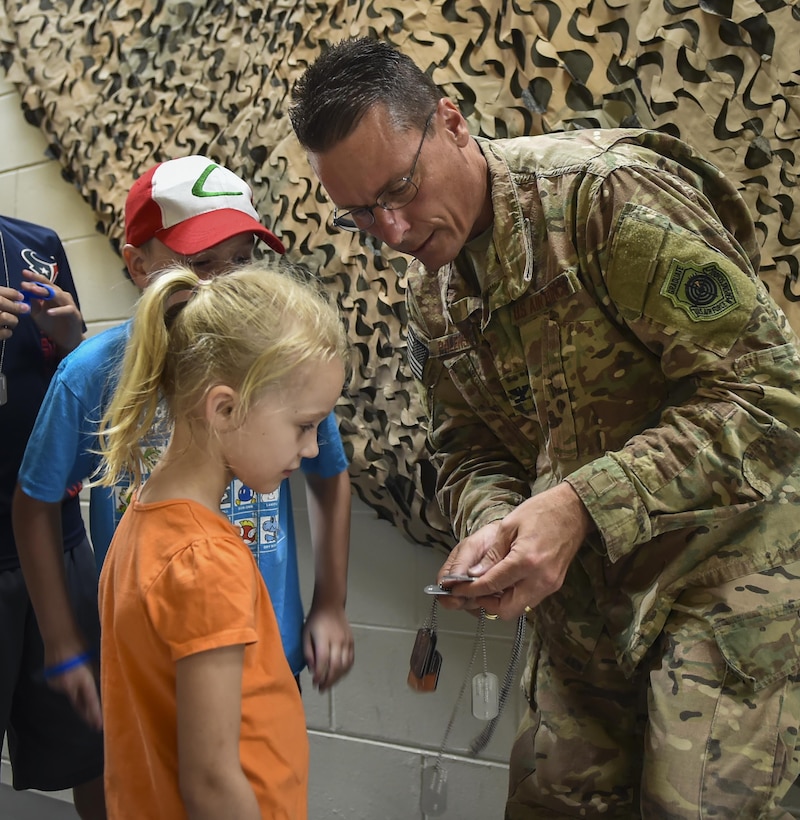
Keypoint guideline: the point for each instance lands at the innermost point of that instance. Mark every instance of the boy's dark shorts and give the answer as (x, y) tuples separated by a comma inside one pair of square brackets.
[(50, 747)]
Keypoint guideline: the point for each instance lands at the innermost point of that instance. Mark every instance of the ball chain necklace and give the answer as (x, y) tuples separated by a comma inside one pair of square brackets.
[(488, 700)]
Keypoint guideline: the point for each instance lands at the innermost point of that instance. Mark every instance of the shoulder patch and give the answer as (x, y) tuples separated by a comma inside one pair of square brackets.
[(703, 292), (659, 271)]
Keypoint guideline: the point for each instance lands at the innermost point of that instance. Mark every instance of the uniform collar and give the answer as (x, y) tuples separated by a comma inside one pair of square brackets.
[(504, 277)]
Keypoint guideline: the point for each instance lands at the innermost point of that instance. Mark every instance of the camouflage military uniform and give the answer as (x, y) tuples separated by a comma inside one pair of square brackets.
[(613, 334)]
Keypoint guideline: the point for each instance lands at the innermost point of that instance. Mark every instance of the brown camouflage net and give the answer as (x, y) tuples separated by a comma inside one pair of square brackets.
[(116, 86)]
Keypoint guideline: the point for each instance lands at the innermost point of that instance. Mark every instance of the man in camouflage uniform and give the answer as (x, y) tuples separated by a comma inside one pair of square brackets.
[(614, 404)]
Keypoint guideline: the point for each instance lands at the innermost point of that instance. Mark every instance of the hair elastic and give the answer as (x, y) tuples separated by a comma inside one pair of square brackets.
[(27, 296)]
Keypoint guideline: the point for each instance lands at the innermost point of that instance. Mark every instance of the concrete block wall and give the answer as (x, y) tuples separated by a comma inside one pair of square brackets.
[(371, 737)]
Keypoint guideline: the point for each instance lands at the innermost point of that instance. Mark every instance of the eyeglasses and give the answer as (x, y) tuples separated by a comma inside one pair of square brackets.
[(396, 194)]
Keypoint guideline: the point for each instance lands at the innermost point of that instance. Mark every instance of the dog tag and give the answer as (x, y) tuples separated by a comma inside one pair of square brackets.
[(3, 389), (421, 654), (429, 681), (485, 696), (433, 799), (435, 589), (413, 681)]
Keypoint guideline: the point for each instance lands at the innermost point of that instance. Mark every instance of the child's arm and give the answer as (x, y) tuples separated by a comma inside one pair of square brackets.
[(40, 546), (327, 637), (209, 700)]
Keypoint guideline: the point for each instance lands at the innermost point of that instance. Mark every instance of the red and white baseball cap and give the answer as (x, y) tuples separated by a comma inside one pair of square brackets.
[(191, 204)]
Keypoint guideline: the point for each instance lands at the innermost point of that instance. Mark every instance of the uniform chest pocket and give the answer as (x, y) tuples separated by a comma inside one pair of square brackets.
[(594, 388), (541, 339)]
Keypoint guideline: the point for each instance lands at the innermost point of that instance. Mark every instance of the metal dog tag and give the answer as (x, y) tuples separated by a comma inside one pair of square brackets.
[(430, 680), (433, 799), (421, 654), (3, 389), (485, 699)]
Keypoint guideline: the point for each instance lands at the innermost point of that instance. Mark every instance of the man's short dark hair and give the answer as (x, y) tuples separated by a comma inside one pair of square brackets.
[(349, 79)]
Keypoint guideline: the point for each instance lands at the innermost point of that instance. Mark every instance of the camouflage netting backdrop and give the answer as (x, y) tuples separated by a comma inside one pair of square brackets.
[(116, 86)]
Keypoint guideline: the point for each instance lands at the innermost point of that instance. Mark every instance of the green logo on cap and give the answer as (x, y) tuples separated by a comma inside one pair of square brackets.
[(199, 190)]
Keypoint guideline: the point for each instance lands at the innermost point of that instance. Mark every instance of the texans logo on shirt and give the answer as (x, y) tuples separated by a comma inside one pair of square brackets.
[(46, 267), (37, 264)]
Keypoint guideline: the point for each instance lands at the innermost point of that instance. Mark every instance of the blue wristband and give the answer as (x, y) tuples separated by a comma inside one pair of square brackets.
[(60, 668)]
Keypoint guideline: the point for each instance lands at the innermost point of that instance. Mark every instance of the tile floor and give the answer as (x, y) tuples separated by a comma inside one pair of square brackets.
[(33, 806)]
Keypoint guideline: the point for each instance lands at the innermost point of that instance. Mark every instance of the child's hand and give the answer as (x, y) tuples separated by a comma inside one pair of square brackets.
[(80, 686), (54, 311), (11, 308), (328, 645)]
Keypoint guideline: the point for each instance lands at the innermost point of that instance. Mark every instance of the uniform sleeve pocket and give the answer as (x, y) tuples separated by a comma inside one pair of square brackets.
[(763, 647)]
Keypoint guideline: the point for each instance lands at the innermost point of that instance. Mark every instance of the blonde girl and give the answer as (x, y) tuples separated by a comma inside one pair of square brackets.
[(202, 716)]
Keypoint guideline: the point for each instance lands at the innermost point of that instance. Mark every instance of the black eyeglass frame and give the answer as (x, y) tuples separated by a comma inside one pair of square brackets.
[(346, 222)]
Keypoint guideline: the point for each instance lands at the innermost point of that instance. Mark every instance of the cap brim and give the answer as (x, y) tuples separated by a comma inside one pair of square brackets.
[(203, 231)]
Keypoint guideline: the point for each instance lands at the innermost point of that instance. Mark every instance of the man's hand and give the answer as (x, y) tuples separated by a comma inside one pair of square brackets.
[(521, 559), (327, 645), (57, 317)]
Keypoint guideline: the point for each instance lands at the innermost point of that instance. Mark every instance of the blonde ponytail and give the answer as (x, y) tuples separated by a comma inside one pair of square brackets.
[(249, 329)]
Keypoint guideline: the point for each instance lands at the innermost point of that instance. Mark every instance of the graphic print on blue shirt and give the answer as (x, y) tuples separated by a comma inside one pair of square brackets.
[(257, 516)]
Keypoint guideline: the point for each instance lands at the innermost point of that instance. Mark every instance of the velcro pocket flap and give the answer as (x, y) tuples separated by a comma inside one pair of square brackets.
[(762, 647)]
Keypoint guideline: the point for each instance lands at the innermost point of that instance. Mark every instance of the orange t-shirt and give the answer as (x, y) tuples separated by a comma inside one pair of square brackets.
[(178, 580)]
